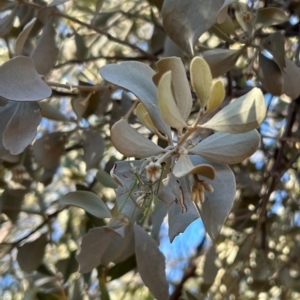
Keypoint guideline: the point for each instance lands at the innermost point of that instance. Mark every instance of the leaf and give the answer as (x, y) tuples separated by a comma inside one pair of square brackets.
[(275, 44), (245, 17), (104, 178), (270, 76), (179, 83), (221, 60), (167, 104), (242, 115), (93, 246), (130, 143), (21, 129), (181, 213), (185, 21), (144, 117), (151, 264), (45, 53), (227, 26), (57, 2), (227, 148), (93, 148), (184, 166), (48, 149), (137, 78), (31, 254), (88, 201), (269, 16), (291, 86), (210, 268), (67, 266), (19, 81), (217, 205), (122, 268), (201, 79), (216, 96), (52, 113), (22, 38), (6, 22)]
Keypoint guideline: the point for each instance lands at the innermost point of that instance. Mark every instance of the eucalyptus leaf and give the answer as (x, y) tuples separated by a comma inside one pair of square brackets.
[(270, 75), (210, 268), (179, 83), (6, 22), (227, 148), (245, 17), (46, 52), (167, 105), (31, 254), (93, 246), (21, 129), (130, 143), (151, 263), (217, 205), (19, 81), (93, 148), (201, 79), (221, 60), (137, 78), (144, 117), (22, 38), (104, 178), (244, 114), (88, 201), (185, 21)]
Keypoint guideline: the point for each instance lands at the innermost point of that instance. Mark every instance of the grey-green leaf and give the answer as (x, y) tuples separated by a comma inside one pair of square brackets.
[(52, 113), (45, 53), (151, 263), (93, 246), (137, 78), (31, 254), (89, 201), (291, 86), (210, 268), (227, 148), (21, 129), (130, 143), (221, 60), (19, 81), (185, 21), (269, 16), (217, 205), (270, 75), (93, 148)]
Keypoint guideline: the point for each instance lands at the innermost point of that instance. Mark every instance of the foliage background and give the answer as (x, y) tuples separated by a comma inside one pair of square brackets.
[(256, 256)]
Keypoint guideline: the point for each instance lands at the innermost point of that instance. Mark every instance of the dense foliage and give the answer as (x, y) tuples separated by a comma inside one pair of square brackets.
[(120, 118)]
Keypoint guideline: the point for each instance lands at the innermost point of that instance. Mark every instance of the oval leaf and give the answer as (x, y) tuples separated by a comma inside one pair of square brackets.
[(130, 143), (269, 16), (31, 254), (88, 201), (151, 263), (167, 105), (227, 148), (201, 79), (244, 114), (185, 21), (184, 166), (137, 78), (221, 60), (51, 112), (291, 86), (270, 76), (93, 148), (217, 95), (22, 127), (22, 38), (19, 81), (45, 53), (217, 205), (179, 83), (93, 246)]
